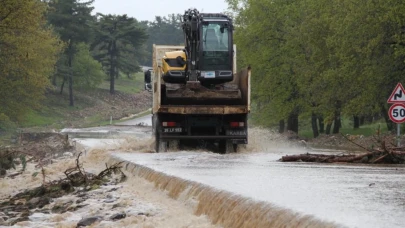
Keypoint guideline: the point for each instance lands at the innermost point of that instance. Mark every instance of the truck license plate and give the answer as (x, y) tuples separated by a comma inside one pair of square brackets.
[(172, 130), (236, 132), (209, 74)]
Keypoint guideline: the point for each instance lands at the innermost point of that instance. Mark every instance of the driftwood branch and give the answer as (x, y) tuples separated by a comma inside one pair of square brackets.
[(361, 146), (387, 153), (116, 168)]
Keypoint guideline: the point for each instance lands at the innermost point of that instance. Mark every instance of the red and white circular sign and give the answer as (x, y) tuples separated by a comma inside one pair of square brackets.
[(397, 113)]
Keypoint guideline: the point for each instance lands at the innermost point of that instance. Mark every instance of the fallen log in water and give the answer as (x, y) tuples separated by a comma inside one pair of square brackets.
[(370, 157), (387, 154)]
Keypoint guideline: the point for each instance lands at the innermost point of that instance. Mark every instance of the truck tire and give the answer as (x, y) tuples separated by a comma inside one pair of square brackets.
[(160, 146), (157, 142), (163, 147), (235, 147), (226, 146)]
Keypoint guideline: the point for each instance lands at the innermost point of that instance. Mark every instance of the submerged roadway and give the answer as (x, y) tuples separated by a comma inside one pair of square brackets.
[(345, 195)]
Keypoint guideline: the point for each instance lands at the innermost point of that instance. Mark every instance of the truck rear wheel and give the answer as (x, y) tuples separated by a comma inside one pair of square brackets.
[(160, 146), (235, 147), (226, 146)]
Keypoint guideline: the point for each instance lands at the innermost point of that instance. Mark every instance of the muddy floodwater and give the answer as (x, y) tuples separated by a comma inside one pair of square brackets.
[(347, 195), (354, 196)]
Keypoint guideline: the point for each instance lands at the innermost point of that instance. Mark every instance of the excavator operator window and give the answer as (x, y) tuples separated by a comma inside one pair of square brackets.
[(211, 41), (215, 46), (215, 37)]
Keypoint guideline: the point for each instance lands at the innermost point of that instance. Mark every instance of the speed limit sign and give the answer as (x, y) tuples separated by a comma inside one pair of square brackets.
[(397, 113)]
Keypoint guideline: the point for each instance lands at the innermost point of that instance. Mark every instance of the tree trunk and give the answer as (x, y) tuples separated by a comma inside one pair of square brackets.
[(112, 79), (63, 84), (362, 119), (71, 101), (314, 125), (54, 79), (281, 125), (337, 122), (328, 127), (321, 125), (384, 112), (356, 122), (112, 69), (292, 124)]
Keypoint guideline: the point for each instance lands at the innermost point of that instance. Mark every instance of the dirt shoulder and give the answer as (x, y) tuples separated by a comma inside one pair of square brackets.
[(344, 142)]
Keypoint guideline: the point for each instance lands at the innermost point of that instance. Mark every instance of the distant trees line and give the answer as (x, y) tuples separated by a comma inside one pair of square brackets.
[(62, 43), (317, 61)]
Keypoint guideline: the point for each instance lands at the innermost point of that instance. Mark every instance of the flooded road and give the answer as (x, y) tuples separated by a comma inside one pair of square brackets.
[(355, 196), (348, 195)]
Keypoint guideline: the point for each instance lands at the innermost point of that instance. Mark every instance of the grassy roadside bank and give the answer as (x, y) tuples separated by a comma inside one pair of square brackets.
[(93, 107)]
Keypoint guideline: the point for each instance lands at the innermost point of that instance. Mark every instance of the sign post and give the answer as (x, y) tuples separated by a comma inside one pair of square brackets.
[(397, 110), (398, 135)]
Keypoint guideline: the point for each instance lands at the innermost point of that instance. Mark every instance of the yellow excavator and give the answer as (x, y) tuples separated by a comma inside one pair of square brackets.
[(208, 54)]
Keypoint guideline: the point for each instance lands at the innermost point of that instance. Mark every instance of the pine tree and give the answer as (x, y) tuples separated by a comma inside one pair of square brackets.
[(73, 21), (117, 39)]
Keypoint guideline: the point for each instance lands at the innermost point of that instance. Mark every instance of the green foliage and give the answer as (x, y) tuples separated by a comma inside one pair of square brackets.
[(88, 72), (5, 123), (73, 21), (117, 38), (162, 31), (6, 160), (311, 56), (29, 51)]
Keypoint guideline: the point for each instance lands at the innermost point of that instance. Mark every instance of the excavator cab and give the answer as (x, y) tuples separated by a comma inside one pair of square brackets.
[(216, 53), (208, 54)]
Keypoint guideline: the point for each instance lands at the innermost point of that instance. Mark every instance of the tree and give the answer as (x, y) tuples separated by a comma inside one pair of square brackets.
[(28, 52), (162, 31), (73, 21), (320, 61), (88, 71), (117, 39)]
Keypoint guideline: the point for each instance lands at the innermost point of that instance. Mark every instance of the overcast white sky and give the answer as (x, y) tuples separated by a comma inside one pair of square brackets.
[(148, 9)]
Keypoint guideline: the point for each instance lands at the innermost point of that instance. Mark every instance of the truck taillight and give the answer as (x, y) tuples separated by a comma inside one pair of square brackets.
[(168, 124), (237, 124)]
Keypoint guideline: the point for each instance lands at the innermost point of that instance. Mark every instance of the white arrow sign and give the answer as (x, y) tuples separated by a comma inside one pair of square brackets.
[(398, 95)]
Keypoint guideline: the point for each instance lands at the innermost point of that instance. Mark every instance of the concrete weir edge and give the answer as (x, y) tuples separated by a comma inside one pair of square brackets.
[(222, 207)]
